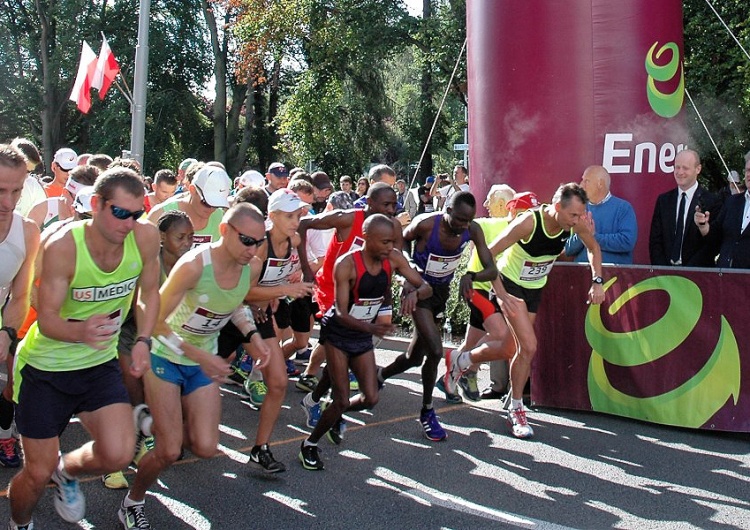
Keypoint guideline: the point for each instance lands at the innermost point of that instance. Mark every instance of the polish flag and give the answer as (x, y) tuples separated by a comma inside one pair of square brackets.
[(81, 93), (106, 69)]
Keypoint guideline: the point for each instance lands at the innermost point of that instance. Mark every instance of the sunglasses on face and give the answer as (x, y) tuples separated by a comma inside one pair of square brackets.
[(247, 240), (123, 214)]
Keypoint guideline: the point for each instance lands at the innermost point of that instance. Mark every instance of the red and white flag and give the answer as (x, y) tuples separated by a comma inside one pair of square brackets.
[(81, 93), (106, 69)]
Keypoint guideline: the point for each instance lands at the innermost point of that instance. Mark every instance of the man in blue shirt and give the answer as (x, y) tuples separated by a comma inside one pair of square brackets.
[(616, 229)]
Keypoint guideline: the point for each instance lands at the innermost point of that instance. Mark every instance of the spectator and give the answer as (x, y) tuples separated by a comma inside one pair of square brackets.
[(277, 177), (64, 161), (362, 186), (400, 195), (322, 189), (674, 240), (728, 231), (447, 187), (346, 185), (616, 229)]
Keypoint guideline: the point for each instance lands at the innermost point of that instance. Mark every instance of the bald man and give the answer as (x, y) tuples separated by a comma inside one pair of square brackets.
[(614, 219)]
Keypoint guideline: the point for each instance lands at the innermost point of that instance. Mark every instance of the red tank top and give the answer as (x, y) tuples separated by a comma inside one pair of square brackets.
[(324, 278)]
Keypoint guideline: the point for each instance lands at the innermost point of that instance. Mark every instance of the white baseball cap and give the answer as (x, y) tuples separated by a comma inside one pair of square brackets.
[(286, 201), (82, 202), (252, 178), (213, 185), (66, 158)]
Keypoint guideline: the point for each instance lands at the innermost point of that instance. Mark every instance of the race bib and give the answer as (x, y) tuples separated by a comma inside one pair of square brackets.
[(366, 308), (441, 266), (357, 244), (205, 322), (277, 270), (199, 239), (533, 271)]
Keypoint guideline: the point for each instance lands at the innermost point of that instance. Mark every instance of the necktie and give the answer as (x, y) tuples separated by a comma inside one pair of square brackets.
[(679, 232)]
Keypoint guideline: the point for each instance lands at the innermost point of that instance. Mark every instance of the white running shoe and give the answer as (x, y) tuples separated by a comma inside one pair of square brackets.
[(519, 424), (69, 500)]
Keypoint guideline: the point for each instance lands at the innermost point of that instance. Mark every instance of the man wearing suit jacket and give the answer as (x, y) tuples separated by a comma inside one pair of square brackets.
[(688, 248), (729, 230)]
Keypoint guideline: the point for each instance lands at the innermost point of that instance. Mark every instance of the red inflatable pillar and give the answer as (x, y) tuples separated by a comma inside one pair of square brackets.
[(558, 85)]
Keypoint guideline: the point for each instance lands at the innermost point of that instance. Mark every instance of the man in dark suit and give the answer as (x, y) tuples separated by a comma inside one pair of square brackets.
[(729, 230), (674, 238)]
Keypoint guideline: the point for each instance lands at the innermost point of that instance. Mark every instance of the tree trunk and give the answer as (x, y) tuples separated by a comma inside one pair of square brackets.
[(48, 95), (427, 116), (220, 72)]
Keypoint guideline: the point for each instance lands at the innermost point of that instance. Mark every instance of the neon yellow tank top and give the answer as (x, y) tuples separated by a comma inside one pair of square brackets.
[(91, 291), (204, 310), (207, 234), (492, 227)]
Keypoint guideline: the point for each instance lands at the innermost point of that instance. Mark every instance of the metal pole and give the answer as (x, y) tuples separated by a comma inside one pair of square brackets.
[(138, 109)]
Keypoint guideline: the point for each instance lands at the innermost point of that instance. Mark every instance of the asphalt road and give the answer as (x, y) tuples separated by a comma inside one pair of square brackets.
[(580, 471)]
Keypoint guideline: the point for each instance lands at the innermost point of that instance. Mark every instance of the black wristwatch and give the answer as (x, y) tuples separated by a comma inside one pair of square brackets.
[(146, 340), (598, 280), (12, 333)]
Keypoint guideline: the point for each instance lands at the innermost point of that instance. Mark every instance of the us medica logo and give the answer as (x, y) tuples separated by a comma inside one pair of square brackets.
[(662, 66), (106, 292)]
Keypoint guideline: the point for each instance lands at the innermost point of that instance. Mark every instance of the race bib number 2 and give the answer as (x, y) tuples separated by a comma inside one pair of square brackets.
[(441, 266), (534, 271)]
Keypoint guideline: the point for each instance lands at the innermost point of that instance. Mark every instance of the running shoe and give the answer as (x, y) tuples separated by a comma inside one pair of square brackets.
[(336, 433), (257, 391), (303, 356), (306, 383), (261, 456), (469, 386), (312, 413), (142, 419), (433, 431), (452, 371), (449, 398), (308, 455), (143, 445), (9, 456), (115, 481), (69, 500), (291, 368), (133, 517), (353, 383), (238, 376), (519, 424)]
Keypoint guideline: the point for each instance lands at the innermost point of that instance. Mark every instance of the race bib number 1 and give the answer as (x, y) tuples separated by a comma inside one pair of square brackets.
[(366, 308), (533, 271)]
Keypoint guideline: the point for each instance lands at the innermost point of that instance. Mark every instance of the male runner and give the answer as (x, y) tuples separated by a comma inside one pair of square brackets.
[(202, 293), (363, 284), (19, 243), (67, 362), (533, 242), (440, 239)]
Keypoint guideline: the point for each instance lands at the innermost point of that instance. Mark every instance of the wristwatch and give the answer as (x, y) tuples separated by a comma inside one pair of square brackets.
[(146, 340), (598, 280)]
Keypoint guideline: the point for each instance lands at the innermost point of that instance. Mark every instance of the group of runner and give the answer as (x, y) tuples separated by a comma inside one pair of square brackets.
[(132, 312)]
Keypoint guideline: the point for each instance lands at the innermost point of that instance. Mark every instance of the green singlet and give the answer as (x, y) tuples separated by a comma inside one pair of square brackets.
[(492, 227), (207, 234)]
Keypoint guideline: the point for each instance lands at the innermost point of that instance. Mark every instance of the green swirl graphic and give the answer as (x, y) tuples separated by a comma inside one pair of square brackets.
[(692, 403), (665, 105)]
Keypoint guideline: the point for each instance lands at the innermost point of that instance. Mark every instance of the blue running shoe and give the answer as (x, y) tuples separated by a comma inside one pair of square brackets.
[(449, 398), (291, 369), (312, 412), (433, 431)]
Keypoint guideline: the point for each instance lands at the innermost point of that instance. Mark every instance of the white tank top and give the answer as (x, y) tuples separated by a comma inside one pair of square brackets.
[(12, 254)]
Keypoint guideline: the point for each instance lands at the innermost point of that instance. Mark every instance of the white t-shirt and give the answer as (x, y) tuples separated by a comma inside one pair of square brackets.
[(32, 193)]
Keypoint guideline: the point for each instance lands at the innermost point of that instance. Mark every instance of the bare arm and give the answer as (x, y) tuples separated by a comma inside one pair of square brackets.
[(147, 308), (341, 220), (20, 289), (585, 230)]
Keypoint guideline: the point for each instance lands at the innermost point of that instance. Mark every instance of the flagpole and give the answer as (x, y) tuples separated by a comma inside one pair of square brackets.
[(125, 94), (138, 122)]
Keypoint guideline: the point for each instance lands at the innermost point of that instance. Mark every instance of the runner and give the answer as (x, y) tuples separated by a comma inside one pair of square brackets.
[(533, 242), (439, 240), (18, 248), (67, 362), (363, 284), (60, 207), (203, 291)]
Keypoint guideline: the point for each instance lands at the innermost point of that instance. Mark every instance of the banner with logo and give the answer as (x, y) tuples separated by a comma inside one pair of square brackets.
[(555, 86), (669, 346)]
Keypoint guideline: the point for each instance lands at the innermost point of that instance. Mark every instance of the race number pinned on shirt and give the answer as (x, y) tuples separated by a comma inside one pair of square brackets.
[(199, 239), (535, 270), (366, 308), (277, 270), (205, 322), (441, 266), (357, 244)]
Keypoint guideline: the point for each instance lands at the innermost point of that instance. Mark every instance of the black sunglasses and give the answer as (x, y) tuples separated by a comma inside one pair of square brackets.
[(122, 213), (247, 240)]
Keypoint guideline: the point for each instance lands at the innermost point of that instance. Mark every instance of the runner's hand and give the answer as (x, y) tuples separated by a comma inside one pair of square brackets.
[(215, 367), (98, 329), (510, 304), (409, 302), (299, 290), (261, 353), (596, 294), (380, 329), (465, 287), (140, 359)]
